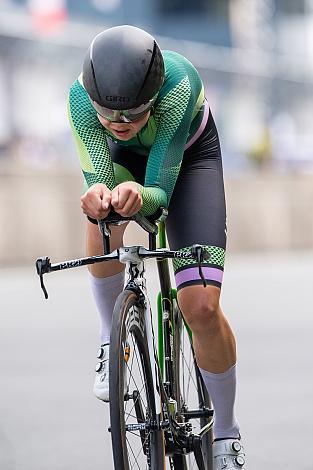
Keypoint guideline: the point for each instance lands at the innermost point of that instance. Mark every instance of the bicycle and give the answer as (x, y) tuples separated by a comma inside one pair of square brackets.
[(160, 411)]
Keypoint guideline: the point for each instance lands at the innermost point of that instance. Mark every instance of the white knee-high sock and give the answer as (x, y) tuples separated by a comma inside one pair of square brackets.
[(222, 390), (106, 291)]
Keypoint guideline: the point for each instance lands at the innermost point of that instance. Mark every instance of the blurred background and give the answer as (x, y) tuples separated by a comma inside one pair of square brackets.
[(256, 60)]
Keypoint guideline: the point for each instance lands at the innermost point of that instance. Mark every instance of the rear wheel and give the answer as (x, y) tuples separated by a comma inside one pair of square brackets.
[(191, 394), (135, 441)]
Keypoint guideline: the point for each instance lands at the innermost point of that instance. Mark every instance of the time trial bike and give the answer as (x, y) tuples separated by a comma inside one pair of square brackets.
[(160, 411)]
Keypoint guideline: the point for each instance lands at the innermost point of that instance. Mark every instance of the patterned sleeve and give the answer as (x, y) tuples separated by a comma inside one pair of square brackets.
[(90, 138), (173, 116)]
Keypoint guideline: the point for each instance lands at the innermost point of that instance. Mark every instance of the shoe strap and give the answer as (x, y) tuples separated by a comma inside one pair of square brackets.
[(103, 351), (228, 454)]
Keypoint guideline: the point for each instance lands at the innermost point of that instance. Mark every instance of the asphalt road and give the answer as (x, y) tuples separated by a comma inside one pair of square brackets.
[(49, 419)]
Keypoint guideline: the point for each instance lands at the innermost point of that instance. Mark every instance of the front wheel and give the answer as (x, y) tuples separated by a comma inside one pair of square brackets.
[(136, 441)]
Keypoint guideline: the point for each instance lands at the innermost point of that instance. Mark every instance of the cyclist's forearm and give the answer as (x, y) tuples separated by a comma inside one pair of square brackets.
[(152, 198)]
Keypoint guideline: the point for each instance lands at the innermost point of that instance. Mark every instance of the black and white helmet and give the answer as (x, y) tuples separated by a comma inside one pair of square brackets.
[(123, 71)]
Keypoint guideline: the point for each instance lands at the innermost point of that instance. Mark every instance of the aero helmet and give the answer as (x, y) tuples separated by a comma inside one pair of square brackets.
[(123, 72)]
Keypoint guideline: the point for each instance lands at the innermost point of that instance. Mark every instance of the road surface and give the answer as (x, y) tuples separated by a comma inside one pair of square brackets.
[(49, 419)]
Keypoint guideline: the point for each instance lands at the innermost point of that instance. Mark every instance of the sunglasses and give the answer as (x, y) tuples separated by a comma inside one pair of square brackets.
[(127, 115)]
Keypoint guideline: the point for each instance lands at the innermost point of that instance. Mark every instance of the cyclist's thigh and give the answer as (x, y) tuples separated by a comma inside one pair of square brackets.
[(197, 212)]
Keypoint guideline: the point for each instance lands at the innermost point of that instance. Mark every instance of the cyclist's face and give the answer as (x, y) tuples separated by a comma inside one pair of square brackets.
[(124, 130)]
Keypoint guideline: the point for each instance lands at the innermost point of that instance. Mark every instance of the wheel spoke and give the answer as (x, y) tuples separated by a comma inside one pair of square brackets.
[(143, 444), (131, 449), (190, 365), (131, 366)]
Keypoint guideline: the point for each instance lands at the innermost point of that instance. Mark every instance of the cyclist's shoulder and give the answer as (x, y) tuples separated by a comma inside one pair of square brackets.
[(77, 91), (174, 57), (180, 75), (177, 65), (79, 105)]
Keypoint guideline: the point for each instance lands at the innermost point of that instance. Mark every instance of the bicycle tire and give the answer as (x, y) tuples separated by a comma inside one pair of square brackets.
[(128, 331), (184, 358)]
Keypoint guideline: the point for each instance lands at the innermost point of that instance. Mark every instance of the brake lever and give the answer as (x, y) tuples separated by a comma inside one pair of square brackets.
[(43, 266), (200, 254)]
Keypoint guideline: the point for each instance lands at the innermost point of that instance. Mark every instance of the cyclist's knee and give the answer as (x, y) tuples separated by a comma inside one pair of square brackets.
[(200, 307)]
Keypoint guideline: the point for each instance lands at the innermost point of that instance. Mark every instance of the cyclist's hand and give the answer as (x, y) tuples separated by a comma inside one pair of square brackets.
[(126, 199), (96, 201)]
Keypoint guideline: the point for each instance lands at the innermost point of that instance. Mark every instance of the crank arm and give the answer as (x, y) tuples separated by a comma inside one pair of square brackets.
[(198, 452)]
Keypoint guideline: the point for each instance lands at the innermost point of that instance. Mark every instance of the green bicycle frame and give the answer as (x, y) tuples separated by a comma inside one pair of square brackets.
[(172, 295)]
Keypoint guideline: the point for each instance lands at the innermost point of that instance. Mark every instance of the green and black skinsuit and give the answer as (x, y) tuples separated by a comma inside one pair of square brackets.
[(175, 160)]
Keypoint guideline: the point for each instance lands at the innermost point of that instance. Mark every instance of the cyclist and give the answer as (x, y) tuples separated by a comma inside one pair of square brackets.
[(146, 138)]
